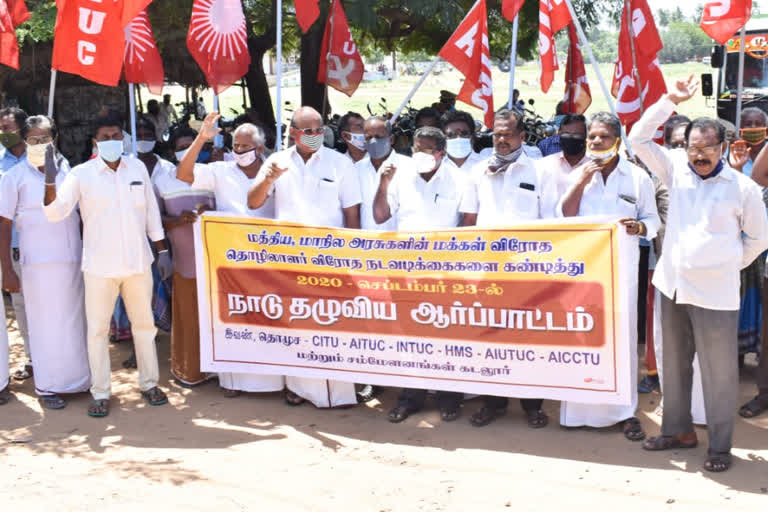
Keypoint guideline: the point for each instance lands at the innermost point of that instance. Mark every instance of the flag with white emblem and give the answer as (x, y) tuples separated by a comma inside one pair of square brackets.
[(141, 58), (341, 66)]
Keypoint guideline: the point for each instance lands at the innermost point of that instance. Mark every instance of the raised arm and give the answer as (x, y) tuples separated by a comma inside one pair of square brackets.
[(754, 226), (381, 210), (760, 167), (58, 202), (186, 168)]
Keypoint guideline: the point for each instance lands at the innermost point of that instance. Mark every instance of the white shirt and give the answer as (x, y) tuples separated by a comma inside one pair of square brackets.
[(315, 192), (369, 179), (499, 199), (40, 241), (472, 160), (230, 186), (119, 210), (418, 205), (628, 192), (555, 171), (530, 151), (715, 227)]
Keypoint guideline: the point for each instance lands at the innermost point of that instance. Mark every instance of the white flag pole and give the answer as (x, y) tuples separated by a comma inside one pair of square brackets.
[(51, 93), (606, 92), (512, 62), (278, 90), (740, 83), (132, 108), (218, 140), (414, 89)]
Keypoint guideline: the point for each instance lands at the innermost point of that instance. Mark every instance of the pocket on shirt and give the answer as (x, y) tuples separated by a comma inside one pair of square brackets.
[(327, 193), (447, 208), (138, 198), (626, 208), (522, 204)]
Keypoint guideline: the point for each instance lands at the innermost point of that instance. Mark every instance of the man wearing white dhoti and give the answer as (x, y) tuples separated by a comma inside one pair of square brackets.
[(119, 210), (50, 256), (608, 184), (313, 185), (230, 181)]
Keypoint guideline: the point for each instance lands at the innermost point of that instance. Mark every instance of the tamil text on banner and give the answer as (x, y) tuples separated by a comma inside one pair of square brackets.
[(535, 311)]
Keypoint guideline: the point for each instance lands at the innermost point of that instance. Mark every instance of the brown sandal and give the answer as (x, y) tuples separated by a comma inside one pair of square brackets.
[(658, 443)]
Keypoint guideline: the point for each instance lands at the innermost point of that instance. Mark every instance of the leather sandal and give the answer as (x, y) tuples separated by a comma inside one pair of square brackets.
[(658, 443)]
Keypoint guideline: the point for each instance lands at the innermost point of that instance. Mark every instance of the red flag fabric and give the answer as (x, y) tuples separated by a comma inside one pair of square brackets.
[(553, 16), (721, 19), (142, 61), (629, 96), (341, 66), (307, 12), (468, 51), (510, 8), (12, 14), (217, 40), (578, 97)]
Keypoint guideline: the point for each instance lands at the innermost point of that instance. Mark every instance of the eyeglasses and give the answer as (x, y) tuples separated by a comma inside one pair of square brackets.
[(40, 139), (463, 134), (311, 131), (677, 145), (704, 150)]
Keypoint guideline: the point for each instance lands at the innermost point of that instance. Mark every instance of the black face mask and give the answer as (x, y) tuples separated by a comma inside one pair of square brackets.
[(572, 146)]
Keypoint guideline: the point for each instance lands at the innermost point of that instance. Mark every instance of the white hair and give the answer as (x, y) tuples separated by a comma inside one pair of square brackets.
[(257, 134)]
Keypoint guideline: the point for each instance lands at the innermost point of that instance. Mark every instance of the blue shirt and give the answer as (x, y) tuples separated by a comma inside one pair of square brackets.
[(550, 145), (8, 161)]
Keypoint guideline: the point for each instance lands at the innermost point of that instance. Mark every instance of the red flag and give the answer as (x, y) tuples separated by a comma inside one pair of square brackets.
[(577, 94), (307, 13), (143, 64), (217, 40), (647, 44), (553, 16), (12, 14), (721, 19), (340, 66), (467, 49), (510, 8)]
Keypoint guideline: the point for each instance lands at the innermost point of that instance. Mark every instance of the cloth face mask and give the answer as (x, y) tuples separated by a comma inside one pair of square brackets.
[(246, 158), (357, 140), (378, 147), (145, 146), (110, 150), (460, 147), (36, 154)]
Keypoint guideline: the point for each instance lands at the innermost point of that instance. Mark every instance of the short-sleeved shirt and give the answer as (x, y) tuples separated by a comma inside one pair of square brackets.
[(175, 196), (40, 241), (230, 186), (314, 192), (418, 205), (369, 183)]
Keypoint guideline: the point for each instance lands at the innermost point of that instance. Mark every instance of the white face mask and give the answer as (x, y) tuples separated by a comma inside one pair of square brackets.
[(425, 163), (357, 140), (180, 154), (145, 146), (110, 150), (246, 158), (36, 154), (460, 147)]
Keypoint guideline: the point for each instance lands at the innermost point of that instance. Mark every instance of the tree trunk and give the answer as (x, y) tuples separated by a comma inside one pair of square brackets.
[(256, 79), (312, 91)]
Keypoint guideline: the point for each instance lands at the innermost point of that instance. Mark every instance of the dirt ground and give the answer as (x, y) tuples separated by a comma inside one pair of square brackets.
[(207, 452)]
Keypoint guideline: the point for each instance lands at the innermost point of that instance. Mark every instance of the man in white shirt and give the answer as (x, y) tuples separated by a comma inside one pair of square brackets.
[(459, 130), (504, 190), (230, 181), (716, 226), (378, 143), (351, 130), (50, 262), (556, 168), (119, 210), (314, 185), (422, 197), (608, 184)]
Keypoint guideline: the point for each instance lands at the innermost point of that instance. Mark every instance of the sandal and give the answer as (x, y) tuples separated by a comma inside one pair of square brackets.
[(230, 393), (537, 419), (98, 408), (658, 443), (754, 407), (632, 429), (155, 396), (450, 413), (23, 373), (399, 413), (718, 463), (5, 394), (293, 399), (130, 362), (485, 416), (53, 402)]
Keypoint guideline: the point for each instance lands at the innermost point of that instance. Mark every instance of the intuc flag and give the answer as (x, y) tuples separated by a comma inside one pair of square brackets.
[(510, 8), (12, 14), (218, 42), (341, 66), (89, 40), (721, 19), (553, 16), (468, 51), (577, 94), (143, 64), (307, 12)]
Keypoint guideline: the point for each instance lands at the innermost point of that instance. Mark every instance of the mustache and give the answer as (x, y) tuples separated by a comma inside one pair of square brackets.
[(702, 161)]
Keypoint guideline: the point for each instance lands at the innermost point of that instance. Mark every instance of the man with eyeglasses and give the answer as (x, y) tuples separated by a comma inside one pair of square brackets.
[(459, 129), (119, 211), (716, 226), (317, 186)]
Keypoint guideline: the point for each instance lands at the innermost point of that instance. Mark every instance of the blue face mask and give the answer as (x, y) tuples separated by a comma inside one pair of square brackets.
[(203, 157), (110, 150)]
